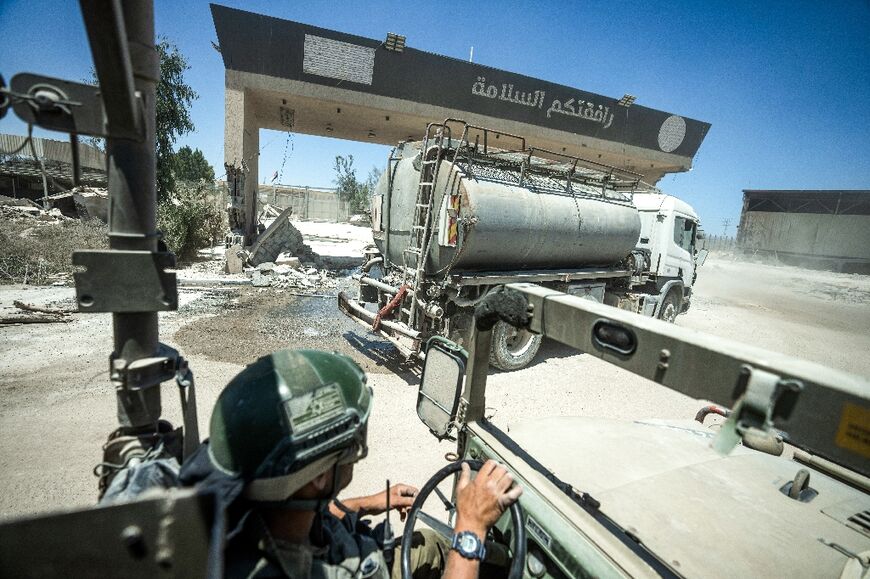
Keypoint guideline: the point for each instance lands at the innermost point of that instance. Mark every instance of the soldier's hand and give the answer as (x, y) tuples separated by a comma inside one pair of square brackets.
[(482, 501), (401, 498)]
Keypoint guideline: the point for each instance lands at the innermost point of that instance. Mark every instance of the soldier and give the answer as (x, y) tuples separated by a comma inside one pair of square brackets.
[(285, 434)]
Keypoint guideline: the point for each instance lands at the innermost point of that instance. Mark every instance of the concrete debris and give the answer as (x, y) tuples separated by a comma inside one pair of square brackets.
[(23, 212), (18, 202), (281, 236), (235, 258), (260, 279), (266, 266), (288, 260), (284, 277), (82, 203)]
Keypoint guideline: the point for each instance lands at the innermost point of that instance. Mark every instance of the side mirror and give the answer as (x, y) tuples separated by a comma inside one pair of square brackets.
[(701, 257), (441, 386)]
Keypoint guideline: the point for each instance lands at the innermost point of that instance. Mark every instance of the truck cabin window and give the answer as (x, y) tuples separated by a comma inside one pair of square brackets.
[(684, 233)]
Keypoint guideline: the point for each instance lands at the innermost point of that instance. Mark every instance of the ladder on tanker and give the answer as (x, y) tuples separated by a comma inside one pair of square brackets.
[(421, 227)]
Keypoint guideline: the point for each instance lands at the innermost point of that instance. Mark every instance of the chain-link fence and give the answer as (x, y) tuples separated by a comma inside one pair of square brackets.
[(721, 243)]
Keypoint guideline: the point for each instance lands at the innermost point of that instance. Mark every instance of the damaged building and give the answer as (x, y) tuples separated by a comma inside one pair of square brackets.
[(21, 175), (821, 229)]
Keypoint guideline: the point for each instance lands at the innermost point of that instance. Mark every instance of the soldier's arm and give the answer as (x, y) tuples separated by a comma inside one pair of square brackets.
[(479, 504), (401, 498)]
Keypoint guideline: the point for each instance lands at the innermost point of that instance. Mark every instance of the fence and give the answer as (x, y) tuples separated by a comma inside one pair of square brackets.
[(719, 243), (307, 202)]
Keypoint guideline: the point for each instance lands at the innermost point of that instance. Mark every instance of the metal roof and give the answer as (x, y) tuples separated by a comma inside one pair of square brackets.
[(806, 192), (52, 150)]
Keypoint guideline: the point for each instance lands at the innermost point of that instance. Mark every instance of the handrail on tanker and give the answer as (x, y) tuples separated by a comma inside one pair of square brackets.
[(607, 175)]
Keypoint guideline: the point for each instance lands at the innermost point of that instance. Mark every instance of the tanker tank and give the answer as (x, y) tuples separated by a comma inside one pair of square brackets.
[(504, 226)]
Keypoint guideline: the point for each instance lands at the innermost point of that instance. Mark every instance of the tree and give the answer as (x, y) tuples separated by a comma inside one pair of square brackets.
[(174, 98), (351, 190), (190, 165), (372, 181)]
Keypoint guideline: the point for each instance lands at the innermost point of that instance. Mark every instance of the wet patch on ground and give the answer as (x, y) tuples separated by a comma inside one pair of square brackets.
[(240, 325)]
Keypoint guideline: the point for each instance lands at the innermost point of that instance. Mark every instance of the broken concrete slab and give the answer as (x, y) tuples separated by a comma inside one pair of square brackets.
[(234, 259), (261, 280), (266, 266), (280, 236)]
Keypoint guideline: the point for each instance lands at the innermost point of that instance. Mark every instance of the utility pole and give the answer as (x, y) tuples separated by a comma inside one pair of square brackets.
[(726, 223)]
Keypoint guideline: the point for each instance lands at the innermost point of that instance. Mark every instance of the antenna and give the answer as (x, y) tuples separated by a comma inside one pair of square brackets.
[(389, 541)]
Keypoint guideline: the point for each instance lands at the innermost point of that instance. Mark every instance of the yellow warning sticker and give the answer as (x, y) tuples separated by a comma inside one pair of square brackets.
[(854, 431)]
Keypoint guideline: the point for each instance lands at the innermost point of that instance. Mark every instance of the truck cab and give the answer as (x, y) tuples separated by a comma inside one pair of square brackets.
[(669, 229)]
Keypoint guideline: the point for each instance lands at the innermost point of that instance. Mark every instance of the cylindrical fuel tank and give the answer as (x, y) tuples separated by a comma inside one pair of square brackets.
[(509, 227)]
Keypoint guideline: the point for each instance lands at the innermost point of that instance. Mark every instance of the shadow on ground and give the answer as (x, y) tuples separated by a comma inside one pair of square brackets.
[(385, 357)]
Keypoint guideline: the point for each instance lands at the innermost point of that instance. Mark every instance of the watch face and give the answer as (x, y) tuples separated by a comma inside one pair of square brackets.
[(468, 543)]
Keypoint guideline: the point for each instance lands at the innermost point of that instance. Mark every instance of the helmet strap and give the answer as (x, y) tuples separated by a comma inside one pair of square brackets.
[(316, 504)]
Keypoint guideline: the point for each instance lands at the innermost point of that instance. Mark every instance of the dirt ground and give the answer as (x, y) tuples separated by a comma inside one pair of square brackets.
[(57, 406)]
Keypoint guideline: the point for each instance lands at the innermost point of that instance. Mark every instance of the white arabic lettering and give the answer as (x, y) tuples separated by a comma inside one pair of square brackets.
[(581, 109), (585, 110)]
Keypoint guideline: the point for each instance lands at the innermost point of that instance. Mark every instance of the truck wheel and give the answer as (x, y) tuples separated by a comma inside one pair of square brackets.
[(670, 307), (512, 348)]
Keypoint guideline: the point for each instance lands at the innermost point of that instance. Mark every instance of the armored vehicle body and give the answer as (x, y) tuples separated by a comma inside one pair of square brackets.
[(780, 489)]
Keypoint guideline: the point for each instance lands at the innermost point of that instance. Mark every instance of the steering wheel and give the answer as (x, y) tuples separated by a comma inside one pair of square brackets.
[(518, 545)]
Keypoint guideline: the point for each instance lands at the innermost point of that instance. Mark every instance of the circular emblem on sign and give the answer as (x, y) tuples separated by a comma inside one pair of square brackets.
[(672, 133)]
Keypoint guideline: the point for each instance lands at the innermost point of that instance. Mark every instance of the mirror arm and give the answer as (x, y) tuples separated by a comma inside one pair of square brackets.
[(475, 374)]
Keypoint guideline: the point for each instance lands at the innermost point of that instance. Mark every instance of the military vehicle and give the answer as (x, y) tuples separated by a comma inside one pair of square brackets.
[(642, 498), (663, 498), (454, 217)]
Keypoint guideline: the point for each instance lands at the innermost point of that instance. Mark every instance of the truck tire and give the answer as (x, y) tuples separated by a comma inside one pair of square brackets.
[(670, 307), (512, 348)]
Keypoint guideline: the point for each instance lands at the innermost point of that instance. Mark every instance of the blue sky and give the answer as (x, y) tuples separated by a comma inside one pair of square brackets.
[(785, 84)]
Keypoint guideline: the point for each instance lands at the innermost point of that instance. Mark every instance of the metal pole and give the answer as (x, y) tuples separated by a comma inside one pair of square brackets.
[(133, 213)]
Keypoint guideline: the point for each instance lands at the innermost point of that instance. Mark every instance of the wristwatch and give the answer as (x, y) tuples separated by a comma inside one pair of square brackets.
[(468, 545)]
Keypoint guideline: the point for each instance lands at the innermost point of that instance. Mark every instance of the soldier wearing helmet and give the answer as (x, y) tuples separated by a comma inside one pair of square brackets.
[(285, 433)]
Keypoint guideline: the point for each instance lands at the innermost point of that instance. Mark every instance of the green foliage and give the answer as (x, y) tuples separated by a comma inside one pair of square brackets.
[(174, 98), (190, 165), (191, 218), (38, 252), (372, 180), (350, 189)]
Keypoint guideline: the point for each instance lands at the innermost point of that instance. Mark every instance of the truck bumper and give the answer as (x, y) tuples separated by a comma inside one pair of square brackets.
[(406, 340)]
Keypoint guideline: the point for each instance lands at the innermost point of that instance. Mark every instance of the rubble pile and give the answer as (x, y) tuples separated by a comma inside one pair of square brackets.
[(25, 209), (281, 236), (83, 203), (304, 279)]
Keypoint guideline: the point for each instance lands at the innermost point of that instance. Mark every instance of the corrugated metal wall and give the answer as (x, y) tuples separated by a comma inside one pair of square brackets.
[(51, 150), (813, 234)]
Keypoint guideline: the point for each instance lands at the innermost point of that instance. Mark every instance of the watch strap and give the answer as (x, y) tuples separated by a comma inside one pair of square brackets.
[(457, 545)]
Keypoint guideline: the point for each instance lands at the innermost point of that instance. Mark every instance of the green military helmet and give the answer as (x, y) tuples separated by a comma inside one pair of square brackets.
[(289, 417)]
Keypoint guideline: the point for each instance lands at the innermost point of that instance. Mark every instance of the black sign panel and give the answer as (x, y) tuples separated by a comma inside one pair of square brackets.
[(281, 48)]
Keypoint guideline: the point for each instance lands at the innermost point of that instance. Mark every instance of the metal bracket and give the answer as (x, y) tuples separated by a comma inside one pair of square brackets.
[(146, 372), (125, 281), (762, 398)]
